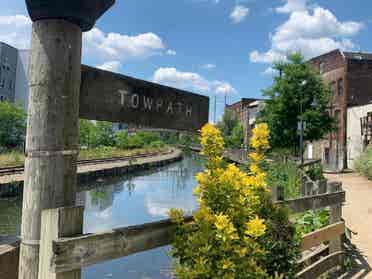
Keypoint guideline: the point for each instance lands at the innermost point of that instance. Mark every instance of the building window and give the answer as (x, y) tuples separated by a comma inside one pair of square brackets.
[(333, 87), (321, 67), (338, 118), (340, 86)]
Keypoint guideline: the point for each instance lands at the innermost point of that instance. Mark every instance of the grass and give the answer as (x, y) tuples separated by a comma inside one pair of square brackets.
[(16, 158)]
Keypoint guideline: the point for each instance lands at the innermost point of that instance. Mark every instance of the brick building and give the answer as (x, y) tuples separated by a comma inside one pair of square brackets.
[(246, 111), (349, 75)]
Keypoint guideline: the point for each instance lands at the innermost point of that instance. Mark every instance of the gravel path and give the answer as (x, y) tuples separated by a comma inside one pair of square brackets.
[(357, 213)]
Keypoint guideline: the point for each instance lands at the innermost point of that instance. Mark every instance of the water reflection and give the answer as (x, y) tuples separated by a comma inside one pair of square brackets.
[(123, 201)]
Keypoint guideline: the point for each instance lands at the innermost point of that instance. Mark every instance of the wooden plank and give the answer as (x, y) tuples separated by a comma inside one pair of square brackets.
[(322, 266), (325, 234), (314, 202), (118, 98), (77, 252), (57, 223)]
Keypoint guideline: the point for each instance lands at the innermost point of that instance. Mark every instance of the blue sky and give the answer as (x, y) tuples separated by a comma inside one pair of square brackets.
[(209, 46)]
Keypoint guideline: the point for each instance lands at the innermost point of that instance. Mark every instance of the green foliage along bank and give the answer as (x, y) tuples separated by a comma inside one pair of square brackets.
[(231, 130), (12, 126), (363, 164)]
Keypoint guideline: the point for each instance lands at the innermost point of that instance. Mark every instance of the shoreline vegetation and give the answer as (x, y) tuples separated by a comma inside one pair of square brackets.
[(16, 158)]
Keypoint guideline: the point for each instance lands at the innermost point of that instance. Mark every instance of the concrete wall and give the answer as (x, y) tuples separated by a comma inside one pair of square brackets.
[(354, 137), (21, 86)]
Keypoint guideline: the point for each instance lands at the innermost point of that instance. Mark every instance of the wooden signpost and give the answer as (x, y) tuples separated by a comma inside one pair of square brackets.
[(118, 98), (57, 83)]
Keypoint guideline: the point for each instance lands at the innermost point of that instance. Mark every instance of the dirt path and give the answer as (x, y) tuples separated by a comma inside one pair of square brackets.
[(357, 213)]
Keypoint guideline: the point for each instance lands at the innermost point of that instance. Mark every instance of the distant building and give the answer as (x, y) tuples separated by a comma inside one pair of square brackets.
[(13, 75), (247, 110), (8, 70), (349, 75)]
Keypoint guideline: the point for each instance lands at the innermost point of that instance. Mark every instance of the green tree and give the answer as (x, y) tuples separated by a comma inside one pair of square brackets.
[(94, 134), (12, 125), (231, 129), (297, 84)]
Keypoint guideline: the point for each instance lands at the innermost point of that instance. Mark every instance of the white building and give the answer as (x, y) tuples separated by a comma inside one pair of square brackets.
[(359, 131)]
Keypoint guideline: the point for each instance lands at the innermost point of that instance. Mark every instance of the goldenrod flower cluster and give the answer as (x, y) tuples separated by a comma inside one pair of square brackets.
[(225, 239)]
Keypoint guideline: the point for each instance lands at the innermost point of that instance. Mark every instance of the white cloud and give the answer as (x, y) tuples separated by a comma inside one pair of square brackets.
[(239, 13), (312, 32), (171, 52), (270, 71), (209, 66), (123, 47), (191, 81), (292, 6), (112, 66), (15, 30)]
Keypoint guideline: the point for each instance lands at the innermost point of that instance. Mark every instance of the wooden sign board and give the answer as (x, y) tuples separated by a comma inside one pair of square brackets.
[(113, 97)]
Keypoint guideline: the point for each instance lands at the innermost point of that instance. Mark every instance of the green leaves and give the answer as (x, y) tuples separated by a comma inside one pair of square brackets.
[(12, 126), (297, 86)]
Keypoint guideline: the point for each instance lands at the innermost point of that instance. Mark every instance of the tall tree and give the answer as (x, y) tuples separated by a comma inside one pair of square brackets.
[(12, 125), (297, 85)]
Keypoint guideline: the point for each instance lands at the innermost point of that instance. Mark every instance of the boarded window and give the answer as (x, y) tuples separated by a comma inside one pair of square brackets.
[(340, 86)]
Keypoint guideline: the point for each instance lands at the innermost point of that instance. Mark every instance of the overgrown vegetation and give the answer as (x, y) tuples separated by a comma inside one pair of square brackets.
[(232, 130), (285, 174), (238, 232), (363, 164), (12, 126)]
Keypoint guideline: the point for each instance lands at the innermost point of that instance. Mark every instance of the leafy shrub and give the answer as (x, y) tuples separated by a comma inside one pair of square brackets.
[(315, 173), (286, 175), (121, 139), (157, 144), (237, 232), (363, 164), (312, 220), (12, 126)]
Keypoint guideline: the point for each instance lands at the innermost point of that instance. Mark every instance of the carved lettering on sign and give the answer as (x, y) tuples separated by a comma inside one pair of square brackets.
[(135, 101)]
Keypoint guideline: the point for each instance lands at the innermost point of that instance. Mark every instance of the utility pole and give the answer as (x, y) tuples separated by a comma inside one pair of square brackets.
[(215, 109), (52, 144)]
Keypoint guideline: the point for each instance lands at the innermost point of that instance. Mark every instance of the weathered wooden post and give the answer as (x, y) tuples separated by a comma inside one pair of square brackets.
[(52, 130), (335, 215)]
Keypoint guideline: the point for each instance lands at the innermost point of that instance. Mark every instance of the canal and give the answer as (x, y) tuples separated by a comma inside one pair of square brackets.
[(122, 201)]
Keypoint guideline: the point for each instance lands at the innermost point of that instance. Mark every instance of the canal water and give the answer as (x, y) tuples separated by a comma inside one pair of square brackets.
[(129, 200)]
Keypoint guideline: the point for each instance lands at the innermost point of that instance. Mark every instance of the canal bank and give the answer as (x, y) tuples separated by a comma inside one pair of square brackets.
[(12, 185)]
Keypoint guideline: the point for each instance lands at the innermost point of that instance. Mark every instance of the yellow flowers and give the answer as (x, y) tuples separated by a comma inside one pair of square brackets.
[(260, 138), (224, 239), (176, 215), (255, 228), (212, 143)]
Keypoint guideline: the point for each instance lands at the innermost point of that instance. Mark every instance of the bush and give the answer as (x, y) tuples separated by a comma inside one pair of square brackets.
[(315, 173), (364, 163), (122, 139), (237, 232), (12, 126), (157, 144), (286, 175)]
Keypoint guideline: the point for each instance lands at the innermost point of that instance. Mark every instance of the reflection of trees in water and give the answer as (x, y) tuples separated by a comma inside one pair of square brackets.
[(10, 216), (178, 175)]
